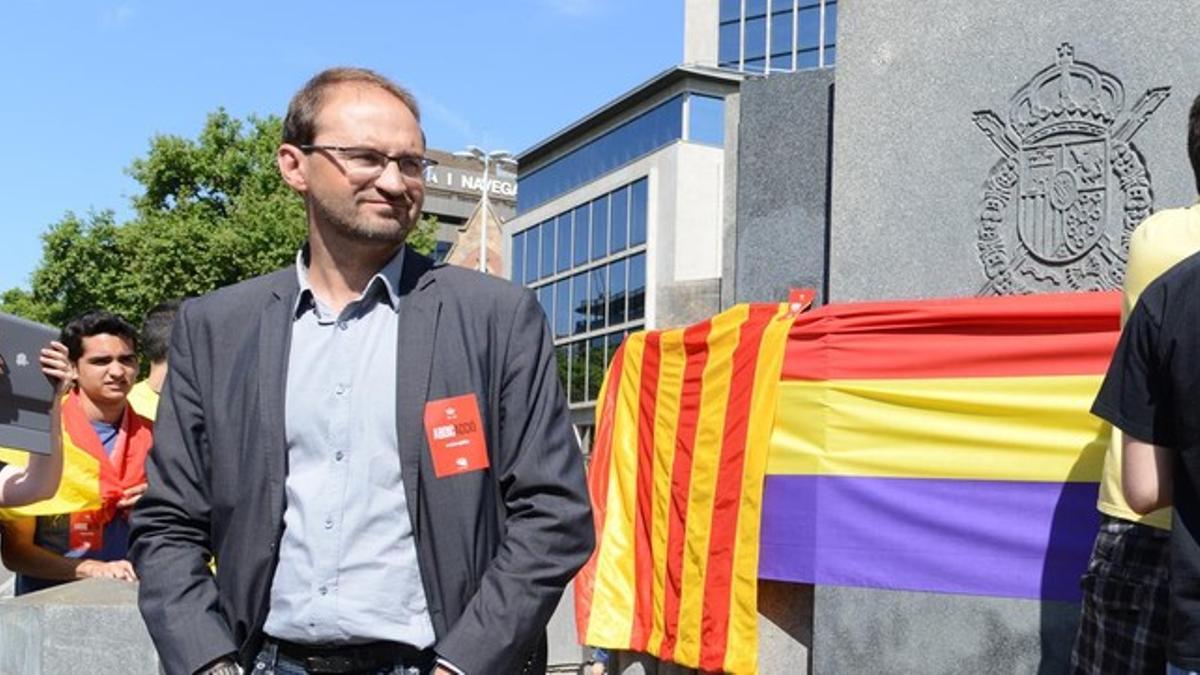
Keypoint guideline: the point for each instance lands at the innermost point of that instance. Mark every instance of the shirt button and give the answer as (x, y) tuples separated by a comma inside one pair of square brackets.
[(329, 523), (322, 590), (342, 325), (339, 455), (341, 389)]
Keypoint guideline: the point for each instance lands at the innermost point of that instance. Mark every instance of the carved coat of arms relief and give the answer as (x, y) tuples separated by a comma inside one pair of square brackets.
[(1059, 205)]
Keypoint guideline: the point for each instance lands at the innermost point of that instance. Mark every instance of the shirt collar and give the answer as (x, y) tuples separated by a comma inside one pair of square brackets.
[(381, 286)]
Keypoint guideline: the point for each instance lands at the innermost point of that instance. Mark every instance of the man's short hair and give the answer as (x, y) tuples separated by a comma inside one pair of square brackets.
[(156, 330), (95, 322), (1194, 140), (300, 124)]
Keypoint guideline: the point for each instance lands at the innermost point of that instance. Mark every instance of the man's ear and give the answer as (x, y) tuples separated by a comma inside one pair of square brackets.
[(292, 166)]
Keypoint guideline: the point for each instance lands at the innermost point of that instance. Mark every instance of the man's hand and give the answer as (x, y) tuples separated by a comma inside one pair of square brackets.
[(56, 366), (130, 496), (95, 569)]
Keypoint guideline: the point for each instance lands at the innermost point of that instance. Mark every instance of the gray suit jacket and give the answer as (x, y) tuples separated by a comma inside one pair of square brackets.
[(495, 547)]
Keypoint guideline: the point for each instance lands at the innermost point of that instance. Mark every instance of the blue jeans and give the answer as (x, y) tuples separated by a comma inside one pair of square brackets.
[(270, 662), (1176, 670)]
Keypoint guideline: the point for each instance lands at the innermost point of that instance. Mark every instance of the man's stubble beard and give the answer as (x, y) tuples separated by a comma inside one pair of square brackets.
[(348, 224)]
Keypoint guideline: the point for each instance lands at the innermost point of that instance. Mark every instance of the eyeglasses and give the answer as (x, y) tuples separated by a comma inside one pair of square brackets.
[(364, 164)]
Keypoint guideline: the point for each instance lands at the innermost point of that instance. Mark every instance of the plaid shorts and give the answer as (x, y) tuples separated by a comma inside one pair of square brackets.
[(1123, 626)]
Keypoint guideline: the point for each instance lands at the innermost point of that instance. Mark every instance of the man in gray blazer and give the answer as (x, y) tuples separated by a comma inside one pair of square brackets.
[(374, 448)]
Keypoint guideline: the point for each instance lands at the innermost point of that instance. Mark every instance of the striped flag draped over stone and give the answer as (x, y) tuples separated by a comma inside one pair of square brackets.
[(682, 429), (940, 445), (933, 445)]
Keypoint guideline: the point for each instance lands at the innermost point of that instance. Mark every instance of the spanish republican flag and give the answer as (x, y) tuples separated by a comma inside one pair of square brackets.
[(940, 445), (682, 429), (92, 481)]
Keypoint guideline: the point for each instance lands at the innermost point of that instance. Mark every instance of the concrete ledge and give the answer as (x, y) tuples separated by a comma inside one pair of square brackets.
[(90, 626)]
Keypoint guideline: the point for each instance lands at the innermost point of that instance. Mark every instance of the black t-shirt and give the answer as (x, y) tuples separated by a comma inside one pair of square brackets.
[(1152, 393)]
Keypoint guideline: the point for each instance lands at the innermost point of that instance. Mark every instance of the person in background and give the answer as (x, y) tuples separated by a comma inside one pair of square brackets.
[(98, 428), (155, 339), (1150, 393), (1123, 622)]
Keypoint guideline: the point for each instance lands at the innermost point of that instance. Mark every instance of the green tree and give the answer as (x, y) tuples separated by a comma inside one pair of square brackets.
[(212, 211), (423, 238)]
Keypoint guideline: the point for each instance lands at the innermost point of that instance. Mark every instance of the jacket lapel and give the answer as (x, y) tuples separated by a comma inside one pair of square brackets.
[(418, 312), (274, 340)]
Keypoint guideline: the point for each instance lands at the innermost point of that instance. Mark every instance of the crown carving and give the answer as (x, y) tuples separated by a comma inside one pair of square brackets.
[(1068, 97)]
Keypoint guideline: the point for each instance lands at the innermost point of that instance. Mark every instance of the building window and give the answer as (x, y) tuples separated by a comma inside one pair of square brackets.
[(580, 301), (706, 120), (636, 138), (779, 35), (548, 247), (531, 254), (618, 224), (563, 242), (731, 10), (637, 213), (599, 296), (600, 227), (562, 308), (729, 44), (518, 257), (583, 219)]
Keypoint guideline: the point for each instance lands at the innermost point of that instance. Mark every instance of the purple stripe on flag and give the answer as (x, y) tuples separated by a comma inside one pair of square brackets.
[(1000, 538)]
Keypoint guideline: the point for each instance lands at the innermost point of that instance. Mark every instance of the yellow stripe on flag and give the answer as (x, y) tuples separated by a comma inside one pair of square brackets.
[(740, 656), (78, 490), (980, 428), (722, 341), (612, 602)]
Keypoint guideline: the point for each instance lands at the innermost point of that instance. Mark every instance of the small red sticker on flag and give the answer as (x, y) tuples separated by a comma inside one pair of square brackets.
[(455, 433)]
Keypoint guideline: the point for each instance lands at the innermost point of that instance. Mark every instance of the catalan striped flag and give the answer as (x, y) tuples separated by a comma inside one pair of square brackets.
[(683, 424), (940, 446)]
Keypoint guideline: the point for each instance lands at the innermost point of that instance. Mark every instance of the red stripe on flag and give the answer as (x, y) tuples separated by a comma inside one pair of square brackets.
[(598, 474), (643, 562), (887, 340), (714, 623), (695, 346)]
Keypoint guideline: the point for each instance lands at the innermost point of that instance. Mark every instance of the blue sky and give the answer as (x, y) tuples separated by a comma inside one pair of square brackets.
[(86, 84)]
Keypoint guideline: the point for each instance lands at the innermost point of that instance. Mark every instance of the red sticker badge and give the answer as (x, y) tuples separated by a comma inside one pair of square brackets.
[(455, 435)]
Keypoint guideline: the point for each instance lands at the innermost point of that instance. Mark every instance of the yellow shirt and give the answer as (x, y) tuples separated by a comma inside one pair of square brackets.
[(1161, 241), (144, 400)]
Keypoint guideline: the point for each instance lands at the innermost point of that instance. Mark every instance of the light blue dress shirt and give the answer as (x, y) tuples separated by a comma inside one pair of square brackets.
[(347, 568)]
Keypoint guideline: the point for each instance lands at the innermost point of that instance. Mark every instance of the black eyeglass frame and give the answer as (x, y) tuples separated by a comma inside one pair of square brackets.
[(425, 162)]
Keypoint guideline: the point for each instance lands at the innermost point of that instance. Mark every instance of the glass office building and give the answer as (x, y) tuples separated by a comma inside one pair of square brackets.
[(595, 234), (759, 36), (588, 266), (648, 131)]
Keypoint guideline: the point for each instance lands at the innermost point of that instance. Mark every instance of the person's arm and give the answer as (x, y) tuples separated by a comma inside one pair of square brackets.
[(1146, 477), (169, 538), (23, 556), (548, 523), (39, 479)]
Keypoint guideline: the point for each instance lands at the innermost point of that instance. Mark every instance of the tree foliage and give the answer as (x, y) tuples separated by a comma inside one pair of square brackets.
[(213, 211)]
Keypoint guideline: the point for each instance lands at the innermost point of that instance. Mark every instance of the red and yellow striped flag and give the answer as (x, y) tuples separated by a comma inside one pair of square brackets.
[(92, 481), (683, 425)]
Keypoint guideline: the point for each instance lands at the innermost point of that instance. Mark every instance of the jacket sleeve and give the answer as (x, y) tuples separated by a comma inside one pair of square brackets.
[(169, 542), (548, 521)]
